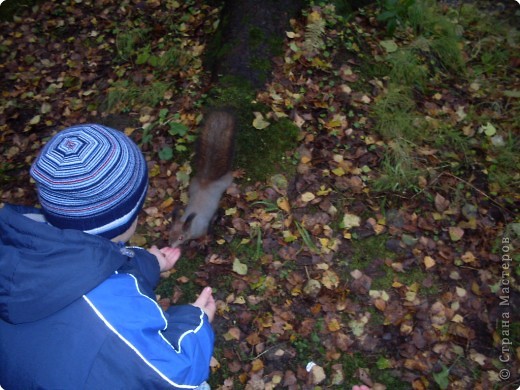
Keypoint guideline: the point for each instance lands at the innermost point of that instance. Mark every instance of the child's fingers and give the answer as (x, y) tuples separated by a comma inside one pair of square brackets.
[(206, 302), (172, 254), (204, 297)]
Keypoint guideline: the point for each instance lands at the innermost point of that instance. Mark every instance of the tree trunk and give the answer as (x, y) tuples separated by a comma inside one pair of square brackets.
[(250, 35)]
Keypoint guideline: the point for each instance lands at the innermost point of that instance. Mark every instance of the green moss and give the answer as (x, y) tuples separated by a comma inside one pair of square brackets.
[(260, 153), (352, 362), (368, 249), (10, 8)]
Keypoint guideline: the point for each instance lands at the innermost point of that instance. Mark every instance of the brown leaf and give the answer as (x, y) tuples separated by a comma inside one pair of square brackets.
[(441, 203), (232, 334), (253, 339), (289, 379)]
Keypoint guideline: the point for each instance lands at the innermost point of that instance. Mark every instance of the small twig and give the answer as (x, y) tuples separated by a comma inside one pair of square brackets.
[(476, 189), (444, 173), (307, 272), (262, 353)]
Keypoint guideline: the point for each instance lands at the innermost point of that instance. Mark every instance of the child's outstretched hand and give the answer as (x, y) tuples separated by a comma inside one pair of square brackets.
[(167, 257), (206, 302)]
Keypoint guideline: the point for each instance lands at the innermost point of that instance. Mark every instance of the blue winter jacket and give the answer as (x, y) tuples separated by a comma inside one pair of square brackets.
[(78, 312)]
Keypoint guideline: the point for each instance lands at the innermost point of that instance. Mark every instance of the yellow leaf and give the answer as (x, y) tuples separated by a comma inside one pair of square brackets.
[(35, 120), (283, 204), (314, 16), (406, 328), (456, 233), (251, 196), (330, 279), (323, 191), (308, 196), (257, 365), (239, 267), (457, 318), (288, 236), (334, 325), (333, 123), (231, 211), (410, 296), (429, 262), (468, 257), (259, 122), (155, 170), (338, 171), (146, 118), (350, 221), (324, 241), (166, 203), (378, 229)]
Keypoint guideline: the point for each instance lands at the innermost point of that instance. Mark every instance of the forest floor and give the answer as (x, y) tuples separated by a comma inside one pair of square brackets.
[(382, 247)]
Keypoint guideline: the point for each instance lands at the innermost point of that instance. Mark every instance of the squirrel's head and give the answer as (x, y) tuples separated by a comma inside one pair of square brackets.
[(180, 231)]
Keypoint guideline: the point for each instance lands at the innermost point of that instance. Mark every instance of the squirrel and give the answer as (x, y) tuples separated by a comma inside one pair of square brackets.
[(214, 154)]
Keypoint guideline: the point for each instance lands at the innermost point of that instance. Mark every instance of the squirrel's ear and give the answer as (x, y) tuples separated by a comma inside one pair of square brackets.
[(187, 223)]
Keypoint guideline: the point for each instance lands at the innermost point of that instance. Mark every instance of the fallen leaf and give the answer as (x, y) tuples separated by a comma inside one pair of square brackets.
[(333, 325), (330, 279), (456, 233), (317, 375), (350, 221), (232, 334), (389, 45), (441, 203), (259, 122), (283, 204), (239, 268), (257, 365), (488, 129), (308, 196), (35, 120), (429, 262)]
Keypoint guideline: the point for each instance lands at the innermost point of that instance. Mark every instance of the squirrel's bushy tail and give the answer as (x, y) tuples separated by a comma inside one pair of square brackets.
[(216, 146)]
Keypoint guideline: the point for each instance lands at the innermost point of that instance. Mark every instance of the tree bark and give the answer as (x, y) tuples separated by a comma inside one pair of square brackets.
[(251, 33)]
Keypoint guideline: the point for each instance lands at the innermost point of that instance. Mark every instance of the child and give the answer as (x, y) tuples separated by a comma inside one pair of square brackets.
[(77, 307)]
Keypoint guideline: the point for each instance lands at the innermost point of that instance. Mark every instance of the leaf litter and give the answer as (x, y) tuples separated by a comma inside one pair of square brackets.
[(401, 290)]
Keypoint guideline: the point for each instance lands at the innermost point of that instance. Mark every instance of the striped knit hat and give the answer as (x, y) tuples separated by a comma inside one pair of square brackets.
[(91, 178)]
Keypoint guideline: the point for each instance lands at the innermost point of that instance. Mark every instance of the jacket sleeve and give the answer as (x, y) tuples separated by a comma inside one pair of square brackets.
[(190, 333), (177, 344)]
